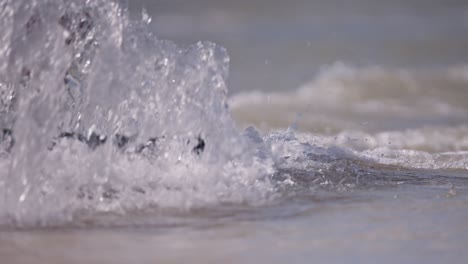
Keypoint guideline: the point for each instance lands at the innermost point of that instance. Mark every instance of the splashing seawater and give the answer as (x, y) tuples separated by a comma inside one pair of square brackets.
[(98, 115)]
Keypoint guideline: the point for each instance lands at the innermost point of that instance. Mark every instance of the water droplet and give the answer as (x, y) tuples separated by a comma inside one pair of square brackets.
[(145, 17), (23, 196)]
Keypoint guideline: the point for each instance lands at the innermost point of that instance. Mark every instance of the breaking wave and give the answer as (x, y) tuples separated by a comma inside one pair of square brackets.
[(364, 98), (98, 116)]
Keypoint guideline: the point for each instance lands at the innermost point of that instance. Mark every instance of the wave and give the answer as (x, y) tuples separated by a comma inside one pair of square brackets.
[(105, 116), (367, 98), (99, 116)]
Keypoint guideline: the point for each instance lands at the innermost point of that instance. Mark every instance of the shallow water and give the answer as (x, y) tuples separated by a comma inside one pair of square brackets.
[(343, 135), (405, 224)]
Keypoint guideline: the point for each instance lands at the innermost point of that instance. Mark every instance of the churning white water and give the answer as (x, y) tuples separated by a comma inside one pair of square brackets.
[(104, 125)]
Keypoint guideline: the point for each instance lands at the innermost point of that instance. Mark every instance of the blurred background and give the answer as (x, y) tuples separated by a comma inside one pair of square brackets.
[(279, 45), (388, 64)]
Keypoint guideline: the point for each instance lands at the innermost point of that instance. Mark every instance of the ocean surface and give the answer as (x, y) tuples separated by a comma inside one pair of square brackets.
[(206, 131)]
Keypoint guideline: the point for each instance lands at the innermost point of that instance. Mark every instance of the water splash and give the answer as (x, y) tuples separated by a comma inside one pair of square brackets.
[(98, 115), (107, 117)]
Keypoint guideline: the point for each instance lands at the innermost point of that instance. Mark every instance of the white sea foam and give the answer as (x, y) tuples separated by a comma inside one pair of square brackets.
[(345, 97)]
